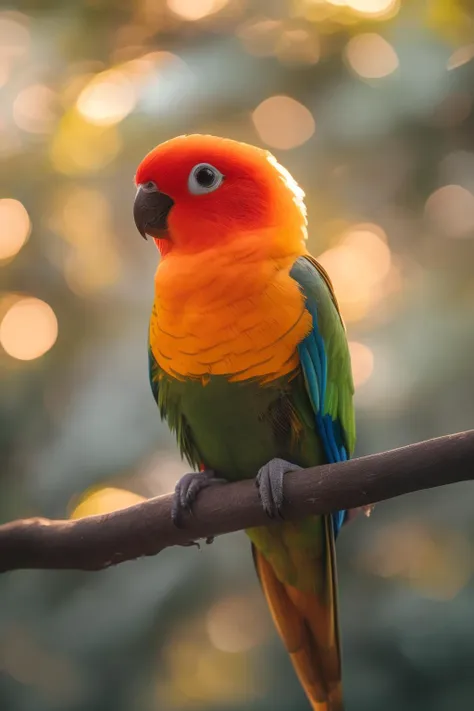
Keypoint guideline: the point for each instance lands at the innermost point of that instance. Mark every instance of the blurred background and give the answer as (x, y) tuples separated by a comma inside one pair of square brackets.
[(369, 103)]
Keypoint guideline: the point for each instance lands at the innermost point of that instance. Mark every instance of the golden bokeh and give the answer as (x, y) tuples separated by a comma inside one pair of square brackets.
[(283, 122), (107, 99), (80, 77), (370, 242), (34, 109), (25, 658), (80, 147), (4, 70), (195, 9), (195, 674), (237, 623), (28, 329), (90, 270), (370, 56), (104, 500), (362, 361), (260, 37), (15, 36), (358, 266), (298, 46), (451, 211), (82, 217), (460, 56), (375, 8), (15, 227), (435, 562)]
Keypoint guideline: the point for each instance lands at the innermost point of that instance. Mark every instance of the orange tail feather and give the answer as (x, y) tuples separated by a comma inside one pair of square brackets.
[(308, 627)]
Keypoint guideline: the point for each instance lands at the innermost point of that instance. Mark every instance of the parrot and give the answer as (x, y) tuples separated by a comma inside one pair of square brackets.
[(249, 365)]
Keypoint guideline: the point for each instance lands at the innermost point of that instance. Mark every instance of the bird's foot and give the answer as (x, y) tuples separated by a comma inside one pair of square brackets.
[(186, 493), (269, 482)]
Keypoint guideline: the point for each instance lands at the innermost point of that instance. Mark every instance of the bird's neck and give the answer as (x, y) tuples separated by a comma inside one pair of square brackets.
[(221, 311), (221, 274)]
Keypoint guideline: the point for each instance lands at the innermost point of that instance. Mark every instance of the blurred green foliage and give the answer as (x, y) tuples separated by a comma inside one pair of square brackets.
[(377, 124)]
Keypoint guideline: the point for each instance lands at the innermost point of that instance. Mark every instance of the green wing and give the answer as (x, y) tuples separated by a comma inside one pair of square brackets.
[(167, 393), (325, 361)]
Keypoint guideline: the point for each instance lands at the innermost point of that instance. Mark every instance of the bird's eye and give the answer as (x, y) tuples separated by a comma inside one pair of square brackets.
[(204, 178), (149, 187)]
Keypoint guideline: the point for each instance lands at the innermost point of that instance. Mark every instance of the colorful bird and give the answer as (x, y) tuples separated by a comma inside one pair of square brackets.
[(249, 366)]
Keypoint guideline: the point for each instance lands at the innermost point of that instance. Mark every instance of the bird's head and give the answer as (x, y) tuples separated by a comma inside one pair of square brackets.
[(195, 192)]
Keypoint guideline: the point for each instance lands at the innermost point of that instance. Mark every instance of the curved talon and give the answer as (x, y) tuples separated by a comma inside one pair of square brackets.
[(269, 481), (186, 493), (192, 543)]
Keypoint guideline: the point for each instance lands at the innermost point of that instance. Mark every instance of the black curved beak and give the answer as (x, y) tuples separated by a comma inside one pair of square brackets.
[(150, 212)]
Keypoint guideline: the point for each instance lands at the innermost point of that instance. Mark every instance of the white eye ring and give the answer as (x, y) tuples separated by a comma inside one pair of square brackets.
[(204, 178)]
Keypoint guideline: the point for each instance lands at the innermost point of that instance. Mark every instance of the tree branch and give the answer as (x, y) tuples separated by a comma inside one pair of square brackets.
[(97, 542)]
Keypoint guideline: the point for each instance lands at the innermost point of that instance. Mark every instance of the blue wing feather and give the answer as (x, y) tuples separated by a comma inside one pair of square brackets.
[(314, 363)]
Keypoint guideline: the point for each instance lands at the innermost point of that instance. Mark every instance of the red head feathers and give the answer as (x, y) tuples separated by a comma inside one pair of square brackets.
[(195, 192)]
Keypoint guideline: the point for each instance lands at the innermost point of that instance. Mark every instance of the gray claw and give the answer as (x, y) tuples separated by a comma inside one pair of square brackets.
[(187, 490), (270, 485)]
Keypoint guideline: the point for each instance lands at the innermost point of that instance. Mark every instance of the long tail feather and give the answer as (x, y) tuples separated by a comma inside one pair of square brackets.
[(308, 625)]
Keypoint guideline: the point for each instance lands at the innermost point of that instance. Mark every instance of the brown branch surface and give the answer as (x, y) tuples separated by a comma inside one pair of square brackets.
[(97, 542)]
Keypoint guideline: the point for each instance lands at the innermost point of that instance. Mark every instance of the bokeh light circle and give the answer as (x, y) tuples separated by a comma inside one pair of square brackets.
[(15, 227), (283, 122), (28, 329)]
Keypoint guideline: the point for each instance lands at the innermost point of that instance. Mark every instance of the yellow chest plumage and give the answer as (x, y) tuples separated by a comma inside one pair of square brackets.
[(229, 311)]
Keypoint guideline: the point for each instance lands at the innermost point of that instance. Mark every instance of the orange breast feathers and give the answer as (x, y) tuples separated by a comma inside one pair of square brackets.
[(230, 310)]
